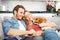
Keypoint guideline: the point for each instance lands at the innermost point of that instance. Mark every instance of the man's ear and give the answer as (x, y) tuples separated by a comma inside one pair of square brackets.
[(15, 12)]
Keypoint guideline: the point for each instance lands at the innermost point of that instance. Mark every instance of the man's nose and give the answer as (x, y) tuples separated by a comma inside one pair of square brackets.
[(22, 14)]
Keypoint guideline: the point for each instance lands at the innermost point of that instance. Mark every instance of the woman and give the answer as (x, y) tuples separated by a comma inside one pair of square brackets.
[(48, 34), (31, 26)]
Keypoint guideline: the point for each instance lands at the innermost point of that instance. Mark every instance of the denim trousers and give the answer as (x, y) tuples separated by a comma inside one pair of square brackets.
[(48, 34)]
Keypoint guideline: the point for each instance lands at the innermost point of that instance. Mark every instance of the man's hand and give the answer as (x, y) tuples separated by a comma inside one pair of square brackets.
[(31, 31), (38, 33)]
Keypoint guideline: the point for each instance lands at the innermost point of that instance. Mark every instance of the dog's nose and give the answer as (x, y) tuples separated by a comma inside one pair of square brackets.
[(36, 19)]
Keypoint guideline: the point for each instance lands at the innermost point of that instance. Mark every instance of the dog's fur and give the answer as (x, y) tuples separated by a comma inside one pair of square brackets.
[(43, 21), (39, 19)]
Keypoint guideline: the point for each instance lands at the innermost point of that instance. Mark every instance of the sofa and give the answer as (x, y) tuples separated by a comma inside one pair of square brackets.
[(56, 20), (1, 28)]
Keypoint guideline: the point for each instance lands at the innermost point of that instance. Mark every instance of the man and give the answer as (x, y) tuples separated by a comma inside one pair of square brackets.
[(15, 27)]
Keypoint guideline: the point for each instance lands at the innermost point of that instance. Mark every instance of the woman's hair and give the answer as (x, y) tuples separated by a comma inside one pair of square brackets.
[(26, 20)]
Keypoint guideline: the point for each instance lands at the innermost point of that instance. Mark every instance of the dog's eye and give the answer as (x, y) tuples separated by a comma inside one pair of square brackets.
[(36, 19)]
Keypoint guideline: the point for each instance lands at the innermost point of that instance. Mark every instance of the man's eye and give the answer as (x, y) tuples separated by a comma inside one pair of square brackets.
[(21, 12)]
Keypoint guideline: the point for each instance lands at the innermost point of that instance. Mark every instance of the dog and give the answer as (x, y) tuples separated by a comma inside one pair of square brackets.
[(43, 22)]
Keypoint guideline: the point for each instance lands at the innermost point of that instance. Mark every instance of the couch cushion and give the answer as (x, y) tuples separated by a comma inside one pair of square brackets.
[(1, 28), (56, 20)]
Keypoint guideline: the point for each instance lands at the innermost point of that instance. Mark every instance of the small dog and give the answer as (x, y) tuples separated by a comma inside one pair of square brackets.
[(39, 19), (43, 22)]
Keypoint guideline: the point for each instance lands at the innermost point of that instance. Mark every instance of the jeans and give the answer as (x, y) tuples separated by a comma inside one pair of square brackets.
[(38, 38), (11, 38), (49, 34), (34, 38)]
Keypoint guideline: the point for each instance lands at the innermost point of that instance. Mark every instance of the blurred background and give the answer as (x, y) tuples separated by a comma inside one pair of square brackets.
[(47, 8)]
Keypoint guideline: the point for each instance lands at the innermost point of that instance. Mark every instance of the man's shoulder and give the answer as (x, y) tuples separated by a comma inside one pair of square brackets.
[(6, 19)]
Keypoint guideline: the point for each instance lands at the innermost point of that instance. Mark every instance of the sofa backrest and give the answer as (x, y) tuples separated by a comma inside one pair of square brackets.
[(1, 28), (56, 20)]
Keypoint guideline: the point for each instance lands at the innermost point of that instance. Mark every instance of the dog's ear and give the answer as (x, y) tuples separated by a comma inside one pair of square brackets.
[(39, 19)]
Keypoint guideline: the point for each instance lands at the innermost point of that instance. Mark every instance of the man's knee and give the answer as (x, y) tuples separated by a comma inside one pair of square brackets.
[(49, 30)]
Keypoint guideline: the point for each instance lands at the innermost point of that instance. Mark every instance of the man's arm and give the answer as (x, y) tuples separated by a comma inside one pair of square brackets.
[(13, 32), (9, 30)]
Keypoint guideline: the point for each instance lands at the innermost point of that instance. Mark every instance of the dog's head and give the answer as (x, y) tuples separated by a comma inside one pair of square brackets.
[(39, 19)]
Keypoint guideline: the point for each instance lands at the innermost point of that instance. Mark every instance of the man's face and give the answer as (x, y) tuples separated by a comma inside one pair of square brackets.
[(20, 13)]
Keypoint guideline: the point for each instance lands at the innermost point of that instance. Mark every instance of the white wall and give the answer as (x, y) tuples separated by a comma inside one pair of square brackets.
[(57, 5), (0, 2), (29, 5)]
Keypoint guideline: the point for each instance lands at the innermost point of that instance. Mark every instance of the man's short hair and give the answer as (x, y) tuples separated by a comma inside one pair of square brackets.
[(17, 7)]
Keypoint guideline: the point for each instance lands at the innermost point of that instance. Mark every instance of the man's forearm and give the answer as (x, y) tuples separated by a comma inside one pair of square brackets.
[(17, 32)]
